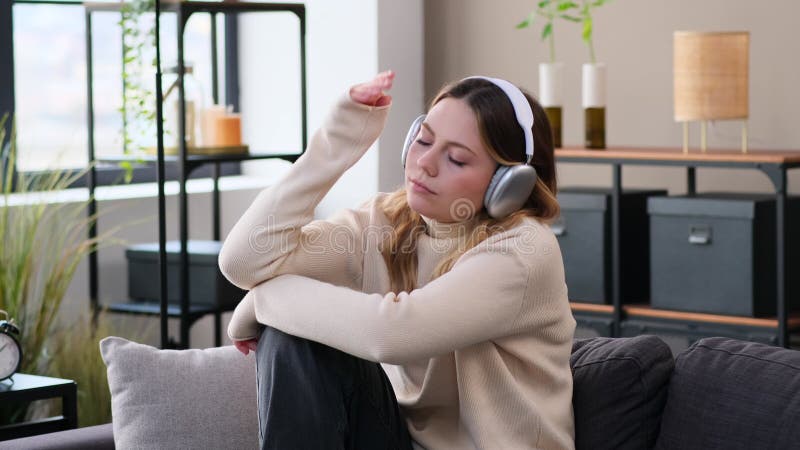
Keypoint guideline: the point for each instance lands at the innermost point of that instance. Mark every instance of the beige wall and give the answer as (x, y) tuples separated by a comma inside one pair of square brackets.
[(634, 38)]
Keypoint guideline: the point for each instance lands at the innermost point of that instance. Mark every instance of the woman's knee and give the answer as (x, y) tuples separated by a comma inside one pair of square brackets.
[(273, 343), (278, 348), (274, 337), (276, 343)]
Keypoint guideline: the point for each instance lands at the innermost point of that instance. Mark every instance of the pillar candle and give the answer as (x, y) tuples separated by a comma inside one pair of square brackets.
[(221, 128), (208, 124), (228, 130)]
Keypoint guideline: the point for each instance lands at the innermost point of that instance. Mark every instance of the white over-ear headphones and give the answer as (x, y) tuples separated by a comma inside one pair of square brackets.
[(511, 185)]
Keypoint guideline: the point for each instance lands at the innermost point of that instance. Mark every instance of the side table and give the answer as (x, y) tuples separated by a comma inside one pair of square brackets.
[(27, 388)]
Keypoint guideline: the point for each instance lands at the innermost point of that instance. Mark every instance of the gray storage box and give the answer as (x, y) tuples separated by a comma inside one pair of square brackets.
[(715, 253), (584, 235), (207, 285)]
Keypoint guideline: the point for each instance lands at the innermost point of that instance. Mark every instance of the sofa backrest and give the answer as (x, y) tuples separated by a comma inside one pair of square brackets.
[(620, 387), (732, 394)]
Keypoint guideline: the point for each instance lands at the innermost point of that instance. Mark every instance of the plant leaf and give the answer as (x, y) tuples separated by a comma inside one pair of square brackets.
[(528, 20), (547, 30), (128, 167), (565, 5), (587, 29)]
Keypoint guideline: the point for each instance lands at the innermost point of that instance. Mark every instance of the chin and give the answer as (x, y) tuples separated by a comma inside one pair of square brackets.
[(420, 205)]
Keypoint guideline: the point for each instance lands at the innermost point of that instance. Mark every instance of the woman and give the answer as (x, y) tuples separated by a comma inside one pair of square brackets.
[(435, 316)]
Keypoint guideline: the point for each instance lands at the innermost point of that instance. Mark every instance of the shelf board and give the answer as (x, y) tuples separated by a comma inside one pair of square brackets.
[(232, 7), (592, 307), (188, 7), (197, 159), (154, 309), (646, 311), (644, 155)]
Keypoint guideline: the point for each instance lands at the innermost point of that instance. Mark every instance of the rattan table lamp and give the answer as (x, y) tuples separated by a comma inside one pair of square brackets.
[(711, 80)]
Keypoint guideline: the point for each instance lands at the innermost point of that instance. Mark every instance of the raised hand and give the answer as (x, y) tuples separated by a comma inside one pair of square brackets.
[(372, 92)]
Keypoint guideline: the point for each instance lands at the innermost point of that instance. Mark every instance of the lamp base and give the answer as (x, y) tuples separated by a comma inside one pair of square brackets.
[(704, 139)]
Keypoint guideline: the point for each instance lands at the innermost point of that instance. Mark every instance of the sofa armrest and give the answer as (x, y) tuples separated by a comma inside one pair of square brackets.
[(619, 390), (99, 437)]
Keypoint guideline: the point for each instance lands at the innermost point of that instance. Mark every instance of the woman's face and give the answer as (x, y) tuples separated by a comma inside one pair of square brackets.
[(447, 167)]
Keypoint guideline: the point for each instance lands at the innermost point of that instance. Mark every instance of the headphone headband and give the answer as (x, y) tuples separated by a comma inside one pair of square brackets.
[(522, 109)]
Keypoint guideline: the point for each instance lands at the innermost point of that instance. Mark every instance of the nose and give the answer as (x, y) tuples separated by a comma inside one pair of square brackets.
[(427, 162)]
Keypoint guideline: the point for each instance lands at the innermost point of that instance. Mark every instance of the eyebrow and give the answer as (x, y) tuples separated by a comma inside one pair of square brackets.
[(456, 144)]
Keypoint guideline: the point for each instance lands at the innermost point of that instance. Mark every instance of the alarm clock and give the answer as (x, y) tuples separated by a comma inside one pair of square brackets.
[(10, 350)]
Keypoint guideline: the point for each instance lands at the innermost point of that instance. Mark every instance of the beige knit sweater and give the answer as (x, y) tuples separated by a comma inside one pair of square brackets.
[(478, 358)]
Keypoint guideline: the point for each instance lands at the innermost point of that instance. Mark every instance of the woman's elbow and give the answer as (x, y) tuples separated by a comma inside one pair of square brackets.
[(236, 272)]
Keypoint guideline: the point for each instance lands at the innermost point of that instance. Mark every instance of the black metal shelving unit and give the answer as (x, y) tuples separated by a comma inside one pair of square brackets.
[(184, 162), (618, 319)]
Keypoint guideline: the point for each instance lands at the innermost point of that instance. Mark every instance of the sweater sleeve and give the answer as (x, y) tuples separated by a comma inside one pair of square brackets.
[(328, 250), (276, 235), (479, 299)]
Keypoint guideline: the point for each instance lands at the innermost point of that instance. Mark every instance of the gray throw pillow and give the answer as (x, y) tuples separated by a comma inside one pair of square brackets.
[(619, 391), (170, 399), (732, 394)]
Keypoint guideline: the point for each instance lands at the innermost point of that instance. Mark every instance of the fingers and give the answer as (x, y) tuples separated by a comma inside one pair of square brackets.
[(372, 92), (383, 82), (384, 100), (369, 91), (242, 347), (385, 79), (246, 346)]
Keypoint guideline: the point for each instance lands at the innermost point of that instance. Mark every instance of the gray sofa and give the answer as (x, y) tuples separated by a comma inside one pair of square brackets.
[(631, 394)]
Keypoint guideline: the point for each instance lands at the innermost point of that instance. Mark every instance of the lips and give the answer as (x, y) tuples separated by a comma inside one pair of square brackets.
[(421, 186)]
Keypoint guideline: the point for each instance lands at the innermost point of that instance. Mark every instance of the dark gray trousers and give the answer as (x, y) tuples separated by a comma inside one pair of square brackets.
[(311, 396)]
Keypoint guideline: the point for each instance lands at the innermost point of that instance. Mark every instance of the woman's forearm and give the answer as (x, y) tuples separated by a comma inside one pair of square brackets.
[(269, 238)]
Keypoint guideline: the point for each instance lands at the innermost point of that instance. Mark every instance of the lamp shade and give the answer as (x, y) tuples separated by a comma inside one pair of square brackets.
[(711, 75)]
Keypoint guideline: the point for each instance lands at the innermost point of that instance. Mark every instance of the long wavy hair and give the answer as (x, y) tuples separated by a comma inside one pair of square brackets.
[(503, 137)]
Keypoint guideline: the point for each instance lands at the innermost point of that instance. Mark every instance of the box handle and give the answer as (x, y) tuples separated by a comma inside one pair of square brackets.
[(558, 227), (699, 234)]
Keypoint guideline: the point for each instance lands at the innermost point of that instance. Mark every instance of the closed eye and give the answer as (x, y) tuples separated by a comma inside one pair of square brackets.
[(423, 143), (456, 162)]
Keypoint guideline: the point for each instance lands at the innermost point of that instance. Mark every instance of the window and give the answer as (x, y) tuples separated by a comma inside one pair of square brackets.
[(50, 86), (50, 78)]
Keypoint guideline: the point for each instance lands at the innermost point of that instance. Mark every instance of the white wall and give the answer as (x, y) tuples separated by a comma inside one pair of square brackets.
[(401, 37), (634, 38), (347, 42)]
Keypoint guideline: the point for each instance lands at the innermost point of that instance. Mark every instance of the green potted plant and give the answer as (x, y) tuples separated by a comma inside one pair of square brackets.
[(43, 242), (551, 72), (593, 90), (76, 356), (138, 107), (137, 23)]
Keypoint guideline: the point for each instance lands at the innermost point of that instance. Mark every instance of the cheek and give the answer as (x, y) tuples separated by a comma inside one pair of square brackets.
[(411, 159), (471, 185)]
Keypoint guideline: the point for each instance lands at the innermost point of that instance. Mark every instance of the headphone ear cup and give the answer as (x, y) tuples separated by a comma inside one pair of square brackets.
[(412, 134), (509, 189), (490, 191)]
